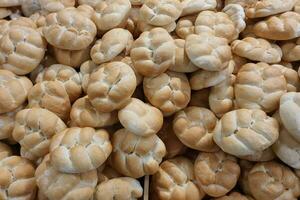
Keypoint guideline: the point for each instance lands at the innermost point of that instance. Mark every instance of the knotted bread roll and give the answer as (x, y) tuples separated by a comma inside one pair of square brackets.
[(136, 156), (78, 150)]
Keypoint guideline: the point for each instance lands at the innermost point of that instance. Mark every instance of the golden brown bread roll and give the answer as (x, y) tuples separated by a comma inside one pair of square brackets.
[(119, 188), (83, 114), (78, 150), (114, 42), (204, 79), (73, 58), (53, 183), (280, 27), (13, 91), (174, 180), (153, 52), (257, 49), (50, 95), (221, 96), (136, 156), (64, 74), (208, 52), (34, 129), (194, 127), (216, 173), (291, 50), (111, 14), (61, 31), (259, 86), (182, 62), (154, 11), (271, 180), (111, 86), (266, 8), (22, 49), (186, 26), (245, 132), (290, 75), (17, 179), (194, 6), (169, 91), (140, 118)]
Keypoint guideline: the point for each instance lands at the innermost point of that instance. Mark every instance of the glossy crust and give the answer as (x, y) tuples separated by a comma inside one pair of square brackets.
[(216, 173), (79, 150), (271, 180), (259, 86), (175, 180), (194, 126), (17, 179), (153, 52), (119, 188), (34, 129), (185, 26), (61, 31), (53, 183), (50, 95), (141, 118), (111, 86), (245, 132), (13, 91), (136, 156)]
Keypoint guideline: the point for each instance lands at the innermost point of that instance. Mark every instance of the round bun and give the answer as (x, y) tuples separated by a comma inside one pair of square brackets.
[(75, 186), (13, 90), (34, 129), (194, 127), (119, 188), (111, 86), (175, 180), (216, 173), (17, 178), (78, 150), (141, 118), (245, 132), (136, 156)]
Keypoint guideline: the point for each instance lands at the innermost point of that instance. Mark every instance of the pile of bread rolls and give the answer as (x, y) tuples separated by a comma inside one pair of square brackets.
[(202, 96)]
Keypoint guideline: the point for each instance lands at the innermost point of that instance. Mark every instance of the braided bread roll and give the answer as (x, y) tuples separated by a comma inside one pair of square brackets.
[(119, 188), (174, 180), (245, 132), (52, 96), (52, 183), (64, 74), (141, 118), (83, 114), (216, 173), (136, 156), (5, 150), (22, 49), (17, 179), (34, 129), (111, 86), (78, 150), (69, 29), (13, 90)]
